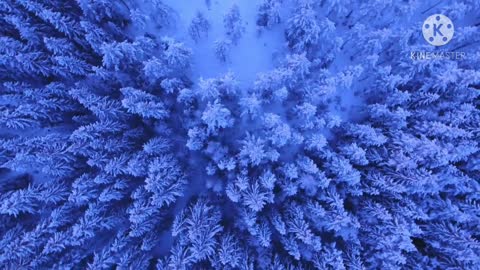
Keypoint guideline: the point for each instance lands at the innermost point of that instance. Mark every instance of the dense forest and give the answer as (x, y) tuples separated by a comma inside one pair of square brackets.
[(268, 134)]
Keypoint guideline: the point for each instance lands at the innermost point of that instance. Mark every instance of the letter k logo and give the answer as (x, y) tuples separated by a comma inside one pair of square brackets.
[(436, 29)]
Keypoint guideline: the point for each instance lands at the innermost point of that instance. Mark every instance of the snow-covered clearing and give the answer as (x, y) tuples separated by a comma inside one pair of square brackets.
[(255, 51)]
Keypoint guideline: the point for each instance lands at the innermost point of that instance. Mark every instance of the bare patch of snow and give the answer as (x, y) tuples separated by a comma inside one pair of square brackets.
[(255, 52)]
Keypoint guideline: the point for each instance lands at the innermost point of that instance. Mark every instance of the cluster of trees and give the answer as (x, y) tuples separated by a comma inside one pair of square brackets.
[(88, 170), (103, 136), (234, 29)]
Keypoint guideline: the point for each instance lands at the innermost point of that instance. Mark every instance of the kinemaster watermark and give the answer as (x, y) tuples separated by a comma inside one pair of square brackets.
[(438, 30)]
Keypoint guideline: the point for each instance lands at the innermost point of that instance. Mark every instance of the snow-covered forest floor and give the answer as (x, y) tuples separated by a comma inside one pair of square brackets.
[(257, 51)]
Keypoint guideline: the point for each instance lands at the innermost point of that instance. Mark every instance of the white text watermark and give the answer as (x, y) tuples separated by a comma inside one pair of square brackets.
[(426, 55)]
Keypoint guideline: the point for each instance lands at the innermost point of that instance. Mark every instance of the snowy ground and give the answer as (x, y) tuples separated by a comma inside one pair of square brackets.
[(255, 52)]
